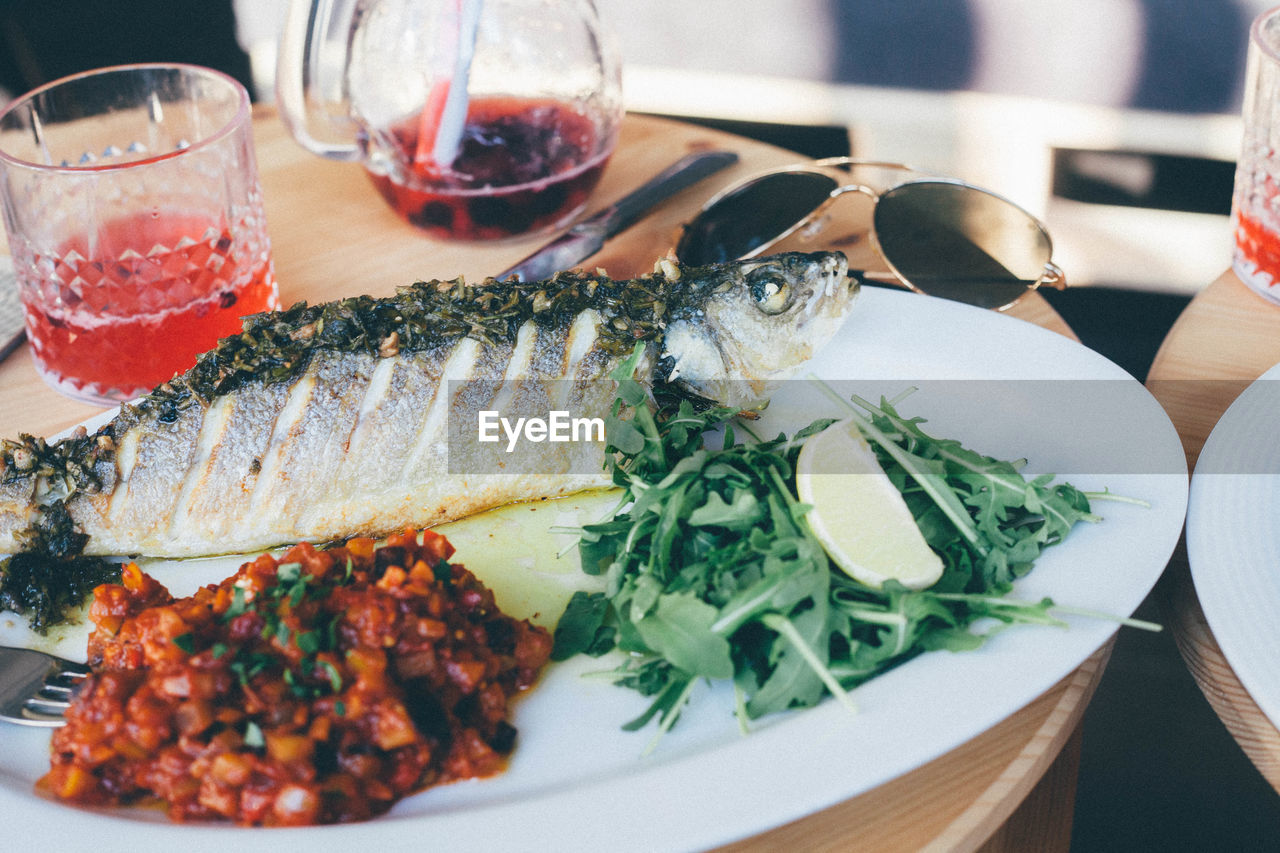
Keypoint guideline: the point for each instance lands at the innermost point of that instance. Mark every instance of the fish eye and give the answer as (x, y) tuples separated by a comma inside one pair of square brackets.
[(771, 292)]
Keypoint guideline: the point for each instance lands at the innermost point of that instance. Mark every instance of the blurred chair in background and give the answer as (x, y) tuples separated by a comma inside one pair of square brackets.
[(1182, 56), (42, 40)]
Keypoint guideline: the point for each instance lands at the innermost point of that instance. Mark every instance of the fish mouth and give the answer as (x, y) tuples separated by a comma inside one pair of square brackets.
[(835, 267), (833, 273)]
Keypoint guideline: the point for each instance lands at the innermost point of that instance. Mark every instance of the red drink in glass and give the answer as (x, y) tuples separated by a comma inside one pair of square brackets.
[(152, 293), (1255, 212), (1257, 249), (135, 220), (523, 166)]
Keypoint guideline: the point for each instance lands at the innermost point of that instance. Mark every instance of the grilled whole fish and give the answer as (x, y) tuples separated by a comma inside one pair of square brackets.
[(329, 421)]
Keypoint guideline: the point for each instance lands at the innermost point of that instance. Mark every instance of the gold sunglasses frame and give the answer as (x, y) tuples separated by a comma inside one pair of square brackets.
[(1051, 275)]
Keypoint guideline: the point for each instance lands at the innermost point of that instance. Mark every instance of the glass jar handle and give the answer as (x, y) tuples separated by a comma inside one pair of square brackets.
[(297, 73)]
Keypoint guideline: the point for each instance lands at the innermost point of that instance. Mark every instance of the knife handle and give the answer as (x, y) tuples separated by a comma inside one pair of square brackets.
[(681, 174)]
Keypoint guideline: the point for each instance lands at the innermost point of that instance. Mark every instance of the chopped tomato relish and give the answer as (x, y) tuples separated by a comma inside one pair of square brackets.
[(317, 688)]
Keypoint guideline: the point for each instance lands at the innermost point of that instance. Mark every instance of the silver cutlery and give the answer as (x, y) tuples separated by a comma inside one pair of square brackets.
[(585, 239), (37, 688)]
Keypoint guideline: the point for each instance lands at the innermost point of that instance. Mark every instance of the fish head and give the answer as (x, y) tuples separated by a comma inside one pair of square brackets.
[(750, 324)]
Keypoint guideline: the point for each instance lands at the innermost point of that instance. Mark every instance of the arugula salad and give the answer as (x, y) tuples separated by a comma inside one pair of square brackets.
[(712, 571)]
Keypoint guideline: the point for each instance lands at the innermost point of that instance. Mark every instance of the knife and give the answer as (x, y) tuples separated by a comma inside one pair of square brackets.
[(585, 238)]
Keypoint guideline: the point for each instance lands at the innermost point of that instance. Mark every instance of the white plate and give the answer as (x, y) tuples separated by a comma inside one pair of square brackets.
[(576, 782), (1232, 541)]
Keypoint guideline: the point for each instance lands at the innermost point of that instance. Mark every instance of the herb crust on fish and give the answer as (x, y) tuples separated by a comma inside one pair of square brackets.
[(323, 422)]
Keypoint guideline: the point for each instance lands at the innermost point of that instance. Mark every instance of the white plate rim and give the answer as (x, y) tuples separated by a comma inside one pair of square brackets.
[(1235, 575)]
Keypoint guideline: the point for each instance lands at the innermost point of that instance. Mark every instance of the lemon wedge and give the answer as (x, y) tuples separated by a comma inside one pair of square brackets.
[(858, 515)]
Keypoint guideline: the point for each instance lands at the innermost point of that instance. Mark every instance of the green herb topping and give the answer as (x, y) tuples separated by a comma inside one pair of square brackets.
[(292, 590), (277, 346), (62, 469), (47, 579)]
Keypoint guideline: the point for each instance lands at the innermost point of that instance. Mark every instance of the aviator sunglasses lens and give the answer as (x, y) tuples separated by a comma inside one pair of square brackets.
[(960, 242), (752, 215)]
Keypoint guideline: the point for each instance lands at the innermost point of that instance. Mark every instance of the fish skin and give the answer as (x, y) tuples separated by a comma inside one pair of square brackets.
[(354, 443)]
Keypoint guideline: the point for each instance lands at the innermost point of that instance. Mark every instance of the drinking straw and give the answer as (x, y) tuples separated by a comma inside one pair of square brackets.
[(444, 116)]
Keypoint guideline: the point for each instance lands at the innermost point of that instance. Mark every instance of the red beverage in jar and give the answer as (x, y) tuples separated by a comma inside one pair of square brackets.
[(523, 166), (129, 306)]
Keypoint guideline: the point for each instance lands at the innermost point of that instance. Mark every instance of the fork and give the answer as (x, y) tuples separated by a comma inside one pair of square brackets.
[(36, 688)]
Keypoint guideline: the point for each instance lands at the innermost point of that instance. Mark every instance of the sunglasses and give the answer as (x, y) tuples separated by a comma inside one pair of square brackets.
[(937, 236)]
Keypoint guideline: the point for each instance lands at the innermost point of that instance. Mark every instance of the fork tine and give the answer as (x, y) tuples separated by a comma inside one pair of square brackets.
[(52, 690), (35, 717), (36, 688), (67, 681), (48, 704)]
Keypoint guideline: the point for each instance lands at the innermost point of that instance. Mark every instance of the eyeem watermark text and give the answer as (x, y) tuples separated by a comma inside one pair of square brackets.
[(557, 426)]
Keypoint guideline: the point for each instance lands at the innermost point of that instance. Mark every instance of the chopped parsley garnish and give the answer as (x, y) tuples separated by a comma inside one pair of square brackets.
[(335, 677), (292, 590)]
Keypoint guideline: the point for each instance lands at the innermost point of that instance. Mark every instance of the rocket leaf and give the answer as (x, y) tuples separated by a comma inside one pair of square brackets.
[(712, 571)]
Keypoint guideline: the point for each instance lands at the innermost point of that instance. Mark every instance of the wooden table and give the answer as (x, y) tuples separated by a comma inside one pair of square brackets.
[(1226, 338), (333, 236)]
